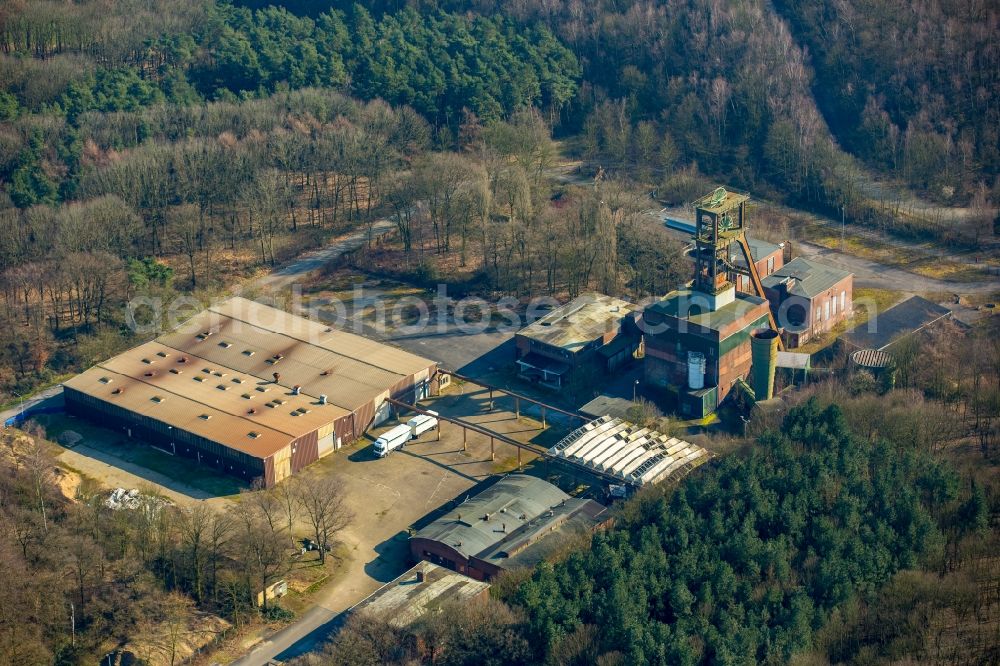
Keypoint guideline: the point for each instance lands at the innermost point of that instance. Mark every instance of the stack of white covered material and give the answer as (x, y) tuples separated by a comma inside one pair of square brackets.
[(632, 453)]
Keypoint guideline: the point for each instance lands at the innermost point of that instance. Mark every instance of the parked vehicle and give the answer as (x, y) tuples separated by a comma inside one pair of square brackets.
[(392, 439), (421, 423)]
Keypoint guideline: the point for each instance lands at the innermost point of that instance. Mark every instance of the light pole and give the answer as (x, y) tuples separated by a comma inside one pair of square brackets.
[(20, 411), (842, 223), (635, 387)]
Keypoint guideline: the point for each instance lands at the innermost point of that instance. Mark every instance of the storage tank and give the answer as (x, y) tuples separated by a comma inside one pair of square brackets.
[(764, 358), (696, 370)]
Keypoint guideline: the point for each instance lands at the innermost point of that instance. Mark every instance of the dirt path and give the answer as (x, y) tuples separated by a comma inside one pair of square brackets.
[(315, 259)]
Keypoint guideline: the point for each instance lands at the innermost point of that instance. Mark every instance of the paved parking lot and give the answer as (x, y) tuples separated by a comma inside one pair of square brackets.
[(390, 495)]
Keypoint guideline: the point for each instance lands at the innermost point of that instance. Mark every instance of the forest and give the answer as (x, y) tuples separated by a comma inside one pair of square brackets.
[(185, 145), (813, 545), (96, 579)]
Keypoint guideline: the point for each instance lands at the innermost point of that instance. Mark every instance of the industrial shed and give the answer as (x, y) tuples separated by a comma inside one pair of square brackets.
[(420, 591), (250, 389), (591, 335), (515, 523)]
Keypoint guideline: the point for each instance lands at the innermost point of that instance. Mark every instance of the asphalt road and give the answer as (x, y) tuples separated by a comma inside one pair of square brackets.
[(872, 274), (30, 402)]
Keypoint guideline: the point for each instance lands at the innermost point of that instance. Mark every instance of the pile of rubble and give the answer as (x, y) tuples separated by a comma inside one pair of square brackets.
[(123, 499)]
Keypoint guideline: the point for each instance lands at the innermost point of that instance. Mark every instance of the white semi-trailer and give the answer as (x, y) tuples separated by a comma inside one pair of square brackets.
[(392, 440), (421, 423)]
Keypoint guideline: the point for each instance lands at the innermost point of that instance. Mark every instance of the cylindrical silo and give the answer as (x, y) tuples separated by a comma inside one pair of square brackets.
[(764, 358), (696, 370)]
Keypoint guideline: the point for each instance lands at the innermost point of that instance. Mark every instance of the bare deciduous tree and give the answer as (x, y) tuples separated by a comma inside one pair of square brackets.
[(322, 499)]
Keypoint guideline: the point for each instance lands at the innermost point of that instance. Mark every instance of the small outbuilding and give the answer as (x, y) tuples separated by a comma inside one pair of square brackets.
[(421, 590)]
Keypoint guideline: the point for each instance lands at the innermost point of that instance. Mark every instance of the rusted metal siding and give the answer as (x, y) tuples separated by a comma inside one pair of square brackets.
[(344, 430), (305, 451), (269, 472), (362, 418)]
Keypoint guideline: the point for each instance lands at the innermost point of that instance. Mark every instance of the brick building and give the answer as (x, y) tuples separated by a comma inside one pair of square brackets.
[(808, 299), (591, 335), (250, 390), (514, 523), (767, 257), (696, 352)]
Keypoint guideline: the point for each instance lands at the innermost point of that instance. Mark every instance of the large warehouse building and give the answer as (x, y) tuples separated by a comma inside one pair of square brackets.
[(251, 390)]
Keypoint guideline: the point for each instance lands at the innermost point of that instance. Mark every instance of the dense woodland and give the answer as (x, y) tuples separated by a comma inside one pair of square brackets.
[(815, 543), (180, 145)]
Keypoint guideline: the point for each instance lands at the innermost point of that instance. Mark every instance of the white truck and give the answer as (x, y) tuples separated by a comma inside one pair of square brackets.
[(392, 439), (421, 423)]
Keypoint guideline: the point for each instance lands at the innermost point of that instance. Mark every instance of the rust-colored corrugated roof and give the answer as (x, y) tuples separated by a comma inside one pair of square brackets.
[(180, 412), (347, 344), (320, 360), (221, 364), (224, 388)]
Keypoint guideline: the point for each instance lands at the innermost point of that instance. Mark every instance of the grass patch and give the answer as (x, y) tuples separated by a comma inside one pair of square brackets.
[(865, 301), (509, 463), (137, 452), (908, 259)]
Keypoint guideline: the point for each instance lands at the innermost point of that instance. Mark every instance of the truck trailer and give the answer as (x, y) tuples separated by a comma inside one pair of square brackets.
[(421, 423), (392, 439)]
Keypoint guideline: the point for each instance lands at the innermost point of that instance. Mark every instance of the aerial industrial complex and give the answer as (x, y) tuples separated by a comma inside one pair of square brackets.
[(260, 394), (251, 390)]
